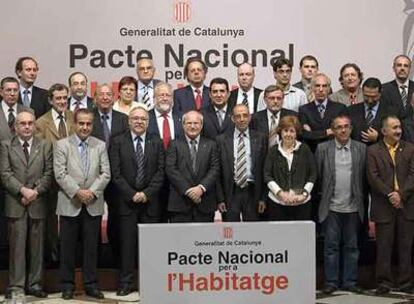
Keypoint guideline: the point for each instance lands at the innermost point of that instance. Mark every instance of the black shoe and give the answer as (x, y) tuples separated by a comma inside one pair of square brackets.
[(67, 295), (123, 291), (329, 289), (38, 293), (407, 289), (354, 289), (381, 290), (94, 293), (8, 294)]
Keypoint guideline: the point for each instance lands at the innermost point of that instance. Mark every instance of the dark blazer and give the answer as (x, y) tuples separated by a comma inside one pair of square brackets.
[(153, 126), (124, 169), (258, 147), (184, 100), (359, 124), (256, 93), (325, 159), (380, 172), (4, 126), (181, 176), (211, 126), (309, 114), (40, 101), (89, 103), (119, 124), (303, 168), (391, 94), (260, 122)]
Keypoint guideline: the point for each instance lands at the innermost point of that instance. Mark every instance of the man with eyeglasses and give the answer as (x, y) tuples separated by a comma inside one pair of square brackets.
[(146, 81), (137, 164)]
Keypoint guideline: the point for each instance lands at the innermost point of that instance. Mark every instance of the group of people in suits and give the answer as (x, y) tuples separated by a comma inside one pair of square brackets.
[(289, 152)]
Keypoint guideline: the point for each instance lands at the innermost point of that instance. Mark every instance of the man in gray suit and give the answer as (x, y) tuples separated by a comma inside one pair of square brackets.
[(26, 174), (82, 171), (341, 166)]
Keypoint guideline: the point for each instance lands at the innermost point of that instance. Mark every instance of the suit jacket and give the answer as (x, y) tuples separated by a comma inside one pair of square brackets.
[(46, 128), (260, 122), (342, 96), (309, 115), (325, 159), (4, 127), (256, 94), (153, 125), (89, 103), (71, 178), (124, 171), (258, 148), (35, 174), (391, 94), (359, 123), (39, 102), (380, 172), (184, 100), (181, 176), (119, 124), (211, 127)]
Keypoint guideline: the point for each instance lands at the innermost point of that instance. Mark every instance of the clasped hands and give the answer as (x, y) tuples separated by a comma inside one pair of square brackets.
[(395, 199), (28, 195), (85, 196), (195, 193), (290, 198)]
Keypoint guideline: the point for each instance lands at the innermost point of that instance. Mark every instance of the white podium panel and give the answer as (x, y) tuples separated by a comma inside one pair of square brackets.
[(264, 263)]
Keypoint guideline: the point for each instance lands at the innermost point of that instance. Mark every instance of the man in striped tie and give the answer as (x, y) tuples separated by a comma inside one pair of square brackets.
[(146, 81)]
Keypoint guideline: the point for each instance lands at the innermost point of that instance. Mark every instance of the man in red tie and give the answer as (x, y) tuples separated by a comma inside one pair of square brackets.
[(195, 95)]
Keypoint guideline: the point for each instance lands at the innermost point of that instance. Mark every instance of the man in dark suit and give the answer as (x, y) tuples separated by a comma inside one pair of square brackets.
[(242, 154), (108, 124), (78, 85), (217, 115), (266, 121), (367, 116), (193, 168), (137, 162), (398, 92), (30, 95), (146, 81), (341, 210), (308, 68), (390, 170), (195, 95), (316, 117), (26, 168), (246, 93), (81, 168)]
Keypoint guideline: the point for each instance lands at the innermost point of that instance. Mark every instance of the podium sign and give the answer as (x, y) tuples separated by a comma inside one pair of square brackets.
[(266, 262)]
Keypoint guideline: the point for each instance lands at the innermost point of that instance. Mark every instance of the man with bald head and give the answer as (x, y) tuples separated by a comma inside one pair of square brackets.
[(246, 93)]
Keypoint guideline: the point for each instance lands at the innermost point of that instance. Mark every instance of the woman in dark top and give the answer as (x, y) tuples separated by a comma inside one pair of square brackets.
[(289, 173)]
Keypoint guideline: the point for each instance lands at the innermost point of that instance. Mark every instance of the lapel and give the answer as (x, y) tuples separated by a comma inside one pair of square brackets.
[(153, 125), (201, 154), (186, 153), (51, 125), (211, 111), (129, 147), (3, 122), (177, 125), (205, 96), (398, 153), (189, 95), (18, 149), (316, 115), (34, 151), (73, 147), (229, 149), (331, 159), (254, 149), (385, 154)]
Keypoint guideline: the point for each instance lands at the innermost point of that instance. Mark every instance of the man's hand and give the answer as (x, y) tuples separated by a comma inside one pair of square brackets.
[(222, 207), (306, 127), (195, 193), (261, 207), (140, 197), (371, 135), (28, 194), (395, 199), (286, 197), (329, 132), (85, 196)]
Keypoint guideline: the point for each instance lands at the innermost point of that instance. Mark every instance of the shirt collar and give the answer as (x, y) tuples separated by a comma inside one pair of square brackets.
[(200, 88), (56, 115), (223, 109), (188, 139), (30, 141), (295, 148), (158, 114), (325, 103), (78, 140), (339, 146), (133, 136), (109, 113), (237, 133), (141, 85), (406, 83), (372, 108), (270, 114), (22, 89)]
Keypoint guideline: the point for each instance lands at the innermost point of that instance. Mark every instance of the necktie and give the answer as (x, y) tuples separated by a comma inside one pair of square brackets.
[(166, 132), (198, 99), (193, 154), (26, 150), (220, 117), (352, 98), (62, 127), (404, 95), (321, 109), (245, 100), (105, 127), (139, 179), (77, 106), (240, 176), (369, 117), (84, 157), (11, 120), (146, 98), (26, 100), (273, 131), (273, 124)]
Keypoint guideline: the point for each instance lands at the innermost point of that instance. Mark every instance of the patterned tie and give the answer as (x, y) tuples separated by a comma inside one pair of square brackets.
[(11, 119), (62, 127), (370, 116), (84, 157), (220, 117), (273, 136), (352, 98), (146, 98), (77, 106), (166, 132), (198, 100), (245, 100), (26, 151), (321, 109), (105, 127), (26, 100), (240, 176), (193, 154), (139, 153), (404, 95)]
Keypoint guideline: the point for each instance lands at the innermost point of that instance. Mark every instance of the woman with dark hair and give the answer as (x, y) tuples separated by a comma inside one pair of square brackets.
[(127, 88), (290, 173)]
